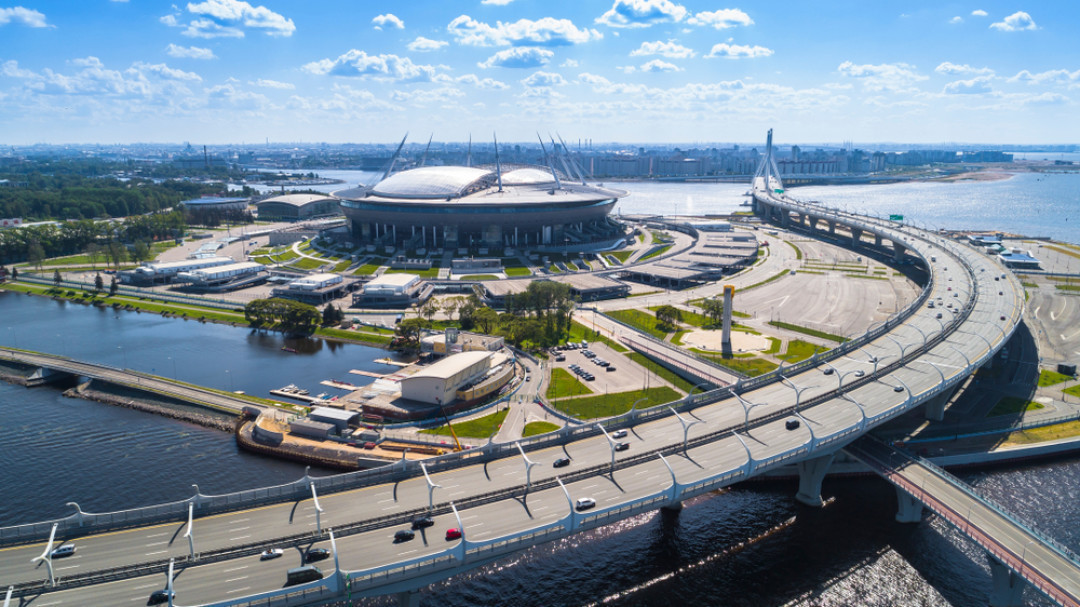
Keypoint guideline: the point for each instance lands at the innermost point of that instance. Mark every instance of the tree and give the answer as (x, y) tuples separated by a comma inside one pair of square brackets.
[(113, 287), (57, 278), (410, 330), (332, 315), (14, 273), (99, 284), (93, 253), (141, 252), (35, 254), (486, 319), (667, 317), (429, 309), (714, 309)]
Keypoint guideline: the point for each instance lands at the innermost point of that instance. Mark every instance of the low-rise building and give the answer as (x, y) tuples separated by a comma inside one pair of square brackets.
[(438, 383), (315, 289), (166, 271), (392, 291), (297, 207)]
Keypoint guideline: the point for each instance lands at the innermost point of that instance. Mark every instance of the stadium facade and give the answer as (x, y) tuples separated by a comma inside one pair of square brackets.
[(459, 206)]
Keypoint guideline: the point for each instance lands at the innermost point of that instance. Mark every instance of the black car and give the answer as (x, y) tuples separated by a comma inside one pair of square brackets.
[(898, 389), (791, 424), (317, 554), (404, 535), (622, 446), (421, 522), (160, 596), (561, 462)]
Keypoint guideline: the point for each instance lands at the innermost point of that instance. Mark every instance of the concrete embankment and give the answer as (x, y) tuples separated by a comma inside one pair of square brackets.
[(250, 436), (106, 393)]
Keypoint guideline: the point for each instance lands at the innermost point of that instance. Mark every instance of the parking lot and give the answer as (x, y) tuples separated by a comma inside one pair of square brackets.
[(626, 377)]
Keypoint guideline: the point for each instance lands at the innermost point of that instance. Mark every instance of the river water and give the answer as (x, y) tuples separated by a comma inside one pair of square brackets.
[(752, 545)]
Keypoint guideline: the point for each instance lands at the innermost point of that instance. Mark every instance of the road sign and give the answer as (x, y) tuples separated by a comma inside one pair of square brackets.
[(896, 217)]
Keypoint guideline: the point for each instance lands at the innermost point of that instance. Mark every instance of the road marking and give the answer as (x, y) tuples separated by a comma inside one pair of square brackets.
[(237, 579), (158, 552), (158, 535), (145, 586), (68, 567), (1070, 337), (236, 568), (240, 528), (238, 590), (242, 537), (386, 501), (157, 544)]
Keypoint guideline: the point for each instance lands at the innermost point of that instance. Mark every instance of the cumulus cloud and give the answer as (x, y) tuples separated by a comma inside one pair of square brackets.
[(1047, 77), (163, 71), (978, 13), (642, 13), (975, 86), (737, 51), (424, 45), (956, 19), (389, 19), (721, 19), (274, 84), (569, 63), (482, 83), (92, 78), (189, 52), (440, 95), (669, 49), (26, 16), (382, 67), (659, 65), (1015, 22), (523, 32), (882, 77), (953, 69), (519, 57), (229, 19), (544, 79)]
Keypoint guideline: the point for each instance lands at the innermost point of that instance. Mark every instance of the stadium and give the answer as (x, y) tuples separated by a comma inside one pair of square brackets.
[(458, 206)]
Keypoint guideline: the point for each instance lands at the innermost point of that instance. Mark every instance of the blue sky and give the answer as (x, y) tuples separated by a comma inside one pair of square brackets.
[(230, 71)]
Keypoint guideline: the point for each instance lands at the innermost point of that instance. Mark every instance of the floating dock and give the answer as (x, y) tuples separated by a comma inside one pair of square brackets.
[(387, 361), (367, 373)]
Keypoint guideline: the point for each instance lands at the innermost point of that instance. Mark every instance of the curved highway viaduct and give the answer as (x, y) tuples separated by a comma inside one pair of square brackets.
[(508, 497)]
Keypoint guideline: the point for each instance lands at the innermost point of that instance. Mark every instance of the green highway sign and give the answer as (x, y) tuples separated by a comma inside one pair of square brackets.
[(896, 217)]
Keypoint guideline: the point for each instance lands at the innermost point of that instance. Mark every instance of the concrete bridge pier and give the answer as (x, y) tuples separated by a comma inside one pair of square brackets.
[(898, 251), (1008, 586), (672, 508), (45, 375), (811, 473), (935, 407), (877, 240), (909, 509), (785, 219), (856, 236), (409, 598), (832, 228)]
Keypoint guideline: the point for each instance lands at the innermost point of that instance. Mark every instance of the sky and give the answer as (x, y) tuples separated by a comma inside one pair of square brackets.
[(359, 71)]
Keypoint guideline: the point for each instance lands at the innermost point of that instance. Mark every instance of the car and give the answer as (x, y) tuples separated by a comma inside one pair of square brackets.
[(1001, 292), (316, 554), (791, 424), (67, 549), (1002, 317), (158, 597), (271, 553), (560, 358), (995, 278), (949, 289), (403, 535), (618, 434), (453, 534), (898, 389), (828, 371), (528, 378), (859, 373), (609, 368), (584, 503), (622, 446), (422, 522), (561, 462), (939, 314)]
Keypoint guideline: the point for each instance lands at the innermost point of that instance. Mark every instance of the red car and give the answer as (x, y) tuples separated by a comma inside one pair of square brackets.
[(453, 534)]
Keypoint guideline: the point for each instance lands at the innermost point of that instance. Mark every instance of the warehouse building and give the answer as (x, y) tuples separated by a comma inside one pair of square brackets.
[(393, 291), (297, 207), (438, 384)]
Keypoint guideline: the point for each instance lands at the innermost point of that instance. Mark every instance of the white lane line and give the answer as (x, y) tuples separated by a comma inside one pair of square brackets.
[(237, 568), (68, 567), (385, 501), (1037, 308), (158, 534), (1069, 338), (240, 528), (47, 604), (157, 544), (145, 586), (242, 537), (158, 552), (237, 579), (241, 520), (237, 590)]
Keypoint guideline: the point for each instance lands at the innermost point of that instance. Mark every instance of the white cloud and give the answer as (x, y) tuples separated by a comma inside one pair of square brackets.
[(669, 49), (544, 79), (721, 19), (274, 84), (956, 19), (424, 45), (439, 95), (497, 2), (1015, 22), (519, 57), (737, 51), (1047, 77), (27, 16), (228, 19), (642, 13), (523, 32), (975, 86), (882, 77), (388, 19), (570, 63), (228, 96), (189, 52), (163, 71), (482, 83), (953, 69), (92, 78), (381, 67), (659, 65), (978, 13)]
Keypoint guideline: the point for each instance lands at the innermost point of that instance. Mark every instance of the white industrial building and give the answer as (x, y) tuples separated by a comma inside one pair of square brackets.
[(165, 271), (392, 291), (438, 384), (315, 289), (314, 282), (221, 274)]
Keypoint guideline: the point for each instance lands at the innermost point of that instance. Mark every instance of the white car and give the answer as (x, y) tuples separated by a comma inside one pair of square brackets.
[(618, 434), (585, 503), (271, 553), (64, 550)]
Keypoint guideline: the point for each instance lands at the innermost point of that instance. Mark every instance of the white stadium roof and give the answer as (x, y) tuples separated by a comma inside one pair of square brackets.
[(430, 182)]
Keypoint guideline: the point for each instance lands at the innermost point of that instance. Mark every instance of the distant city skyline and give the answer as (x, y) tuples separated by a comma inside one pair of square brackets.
[(231, 71)]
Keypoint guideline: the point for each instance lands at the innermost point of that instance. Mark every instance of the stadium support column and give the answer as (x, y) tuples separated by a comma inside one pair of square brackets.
[(811, 473), (729, 298), (395, 233), (515, 237), (423, 236)]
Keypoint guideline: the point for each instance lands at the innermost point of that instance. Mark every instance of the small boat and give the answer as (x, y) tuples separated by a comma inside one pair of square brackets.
[(301, 391), (288, 349)]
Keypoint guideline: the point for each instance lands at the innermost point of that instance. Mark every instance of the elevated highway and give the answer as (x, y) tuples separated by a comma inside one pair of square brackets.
[(508, 497)]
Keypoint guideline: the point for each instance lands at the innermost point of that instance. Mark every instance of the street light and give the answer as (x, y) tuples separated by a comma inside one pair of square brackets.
[(528, 466), (431, 486), (798, 391), (747, 406), (611, 444), (840, 376), (686, 425)]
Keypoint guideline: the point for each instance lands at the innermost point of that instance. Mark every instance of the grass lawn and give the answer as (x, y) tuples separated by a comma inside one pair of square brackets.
[(622, 256), (1073, 391), (748, 366), (807, 331), (1044, 433), (1049, 378), (480, 427), (306, 263), (554, 269), (604, 405), (579, 332), (640, 320), (341, 266), (518, 271), (799, 350), (663, 372), (534, 428), (774, 345), (366, 270), (798, 251), (656, 253), (1009, 405), (563, 384)]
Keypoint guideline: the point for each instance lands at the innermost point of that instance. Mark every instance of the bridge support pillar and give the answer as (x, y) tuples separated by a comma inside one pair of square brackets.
[(935, 407), (856, 236), (409, 598), (898, 251), (673, 508), (1008, 585), (877, 240), (811, 473), (909, 509), (832, 228), (785, 219)]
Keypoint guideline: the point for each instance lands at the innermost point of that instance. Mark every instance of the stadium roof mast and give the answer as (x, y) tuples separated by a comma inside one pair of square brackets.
[(580, 172), (468, 155), (547, 161), (423, 159), (498, 165), (393, 158), (561, 157), (767, 169)]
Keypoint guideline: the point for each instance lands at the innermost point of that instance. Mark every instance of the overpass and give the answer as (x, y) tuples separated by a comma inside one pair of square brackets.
[(507, 497)]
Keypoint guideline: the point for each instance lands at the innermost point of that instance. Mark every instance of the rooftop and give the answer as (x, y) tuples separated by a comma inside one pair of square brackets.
[(212, 200), (451, 365), (297, 200)]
